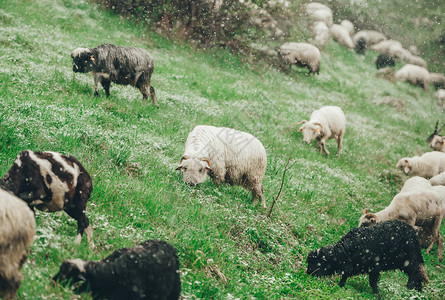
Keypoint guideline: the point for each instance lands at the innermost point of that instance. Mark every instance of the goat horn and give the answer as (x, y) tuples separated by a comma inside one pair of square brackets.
[(206, 159), (184, 157), (318, 123)]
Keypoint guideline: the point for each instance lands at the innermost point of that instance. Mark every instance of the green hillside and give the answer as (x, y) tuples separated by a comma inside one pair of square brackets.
[(131, 150)]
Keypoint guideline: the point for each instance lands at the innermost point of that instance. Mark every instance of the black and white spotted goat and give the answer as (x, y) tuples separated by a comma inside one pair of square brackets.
[(147, 271), (122, 65), (50, 181)]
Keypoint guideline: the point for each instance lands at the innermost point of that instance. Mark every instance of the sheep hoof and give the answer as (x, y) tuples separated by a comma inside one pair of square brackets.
[(78, 239)]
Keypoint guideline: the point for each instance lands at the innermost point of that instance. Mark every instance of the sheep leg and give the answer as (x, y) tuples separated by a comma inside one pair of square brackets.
[(106, 85), (153, 96), (11, 284), (257, 192), (83, 224), (373, 279), (97, 78), (414, 277), (437, 238), (340, 144), (147, 90), (342, 282), (322, 145)]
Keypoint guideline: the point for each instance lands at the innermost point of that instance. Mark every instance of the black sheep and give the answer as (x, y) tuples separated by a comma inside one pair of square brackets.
[(121, 65), (50, 181), (368, 250), (360, 46), (384, 60), (147, 271)]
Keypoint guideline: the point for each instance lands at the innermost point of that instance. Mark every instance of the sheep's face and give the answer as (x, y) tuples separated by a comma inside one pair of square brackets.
[(71, 271), (194, 170), (437, 143), (310, 131), (24, 179), (83, 60), (319, 262), (367, 219), (404, 165)]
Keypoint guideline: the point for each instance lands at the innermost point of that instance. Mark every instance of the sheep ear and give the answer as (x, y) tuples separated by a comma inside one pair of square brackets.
[(183, 157), (207, 160), (178, 168), (365, 211)]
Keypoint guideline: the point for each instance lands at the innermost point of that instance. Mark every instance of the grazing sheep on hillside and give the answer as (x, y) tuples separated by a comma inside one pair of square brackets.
[(227, 155), (121, 65), (320, 32), (438, 143), (301, 54), (415, 60), (370, 37), (369, 250), (437, 79), (319, 12), (413, 74), (325, 123), (387, 46), (384, 60), (440, 95), (426, 166), (50, 181), (348, 26), (17, 229), (147, 271), (341, 35), (420, 205)]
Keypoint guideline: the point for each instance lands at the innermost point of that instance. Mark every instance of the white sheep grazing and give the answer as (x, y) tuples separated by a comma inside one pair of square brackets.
[(348, 26), (301, 54), (415, 60), (320, 32), (437, 79), (17, 229), (371, 37), (413, 74), (420, 205), (426, 166), (440, 95), (438, 143), (385, 46), (341, 35), (328, 122), (319, 12), (227, 155)]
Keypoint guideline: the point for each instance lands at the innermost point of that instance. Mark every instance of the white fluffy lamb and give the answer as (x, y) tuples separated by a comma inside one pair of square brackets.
[(348, 26), (301, 54), (341, 35), (17, 229), (413, 74), (319, 12), (420, 205), (320, 33), (328, 122), (427, 165), (438, 143), (227, 155)]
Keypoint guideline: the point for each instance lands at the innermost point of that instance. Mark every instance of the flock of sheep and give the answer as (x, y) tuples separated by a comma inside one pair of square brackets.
[(386, 240)]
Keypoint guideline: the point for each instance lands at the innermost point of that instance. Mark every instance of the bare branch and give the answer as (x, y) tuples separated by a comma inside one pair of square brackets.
[(287, 166)]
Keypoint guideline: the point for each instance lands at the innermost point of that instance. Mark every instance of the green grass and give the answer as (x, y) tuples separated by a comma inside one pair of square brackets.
[(131, 149)]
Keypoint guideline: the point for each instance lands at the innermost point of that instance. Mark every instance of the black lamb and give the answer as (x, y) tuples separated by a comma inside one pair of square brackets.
[(147, 271), (368, 250)]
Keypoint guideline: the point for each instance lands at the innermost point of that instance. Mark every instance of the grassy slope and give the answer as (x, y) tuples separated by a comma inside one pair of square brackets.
[(131, 150)]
